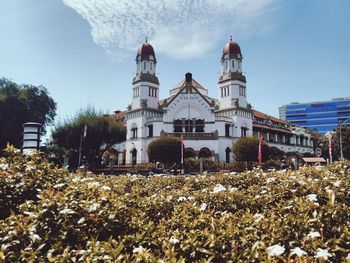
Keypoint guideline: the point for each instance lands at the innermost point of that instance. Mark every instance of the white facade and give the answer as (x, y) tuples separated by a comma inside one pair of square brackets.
[(209, 126)]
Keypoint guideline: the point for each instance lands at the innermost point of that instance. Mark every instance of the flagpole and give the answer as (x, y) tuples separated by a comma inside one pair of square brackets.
[(330, 147), (182, 154), (259, 150)]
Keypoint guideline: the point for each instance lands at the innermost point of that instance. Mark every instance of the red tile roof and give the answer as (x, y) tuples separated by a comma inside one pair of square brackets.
[(261, 115)]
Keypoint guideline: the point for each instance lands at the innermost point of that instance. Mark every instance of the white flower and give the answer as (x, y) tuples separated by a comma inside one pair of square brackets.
[(138, 249), (337, 183), (298, 251), (233, 189), (81, 220), (30, 214), (322, 253), (312, 197), (258, 217), (314, 234), (106, 188), (174, 240), (94, 207), (58, 186), (29, 168), (4, 166), (270, 180), (275, 250), (76, 179), (67, 211), (190, 198), (203, 207), (219, 188), (94, 184), (35, 237), (181, 199)]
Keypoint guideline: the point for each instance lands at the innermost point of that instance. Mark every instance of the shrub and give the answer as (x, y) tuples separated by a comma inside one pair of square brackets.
[(254, 216), (166, 150), (246, 149)]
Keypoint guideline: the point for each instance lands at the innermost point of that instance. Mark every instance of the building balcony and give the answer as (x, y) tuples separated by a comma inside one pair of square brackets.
[(193, 135), (223, 118)]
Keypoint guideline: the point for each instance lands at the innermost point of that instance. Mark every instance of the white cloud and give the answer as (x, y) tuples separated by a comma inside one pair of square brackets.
[(178, 28)]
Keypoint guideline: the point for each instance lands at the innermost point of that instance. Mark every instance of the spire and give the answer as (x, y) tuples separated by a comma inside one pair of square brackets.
[(146, 40), (230, 37)]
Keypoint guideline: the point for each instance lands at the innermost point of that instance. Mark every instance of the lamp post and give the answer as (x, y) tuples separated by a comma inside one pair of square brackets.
[(341, 140)]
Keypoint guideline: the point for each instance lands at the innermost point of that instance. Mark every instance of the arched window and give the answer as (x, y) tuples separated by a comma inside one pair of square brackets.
[(199, 125), (189, 153), (151, 65), (204, 153), (188, 126), (178, 126), (144, 65)]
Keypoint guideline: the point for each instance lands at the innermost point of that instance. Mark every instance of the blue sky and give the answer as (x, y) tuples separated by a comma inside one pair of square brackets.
[(83, 51)]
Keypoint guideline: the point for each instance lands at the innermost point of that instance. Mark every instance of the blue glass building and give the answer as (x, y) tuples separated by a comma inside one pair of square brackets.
[(322, 116)]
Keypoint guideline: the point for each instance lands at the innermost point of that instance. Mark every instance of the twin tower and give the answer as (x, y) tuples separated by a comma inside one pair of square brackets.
[(231, 84)]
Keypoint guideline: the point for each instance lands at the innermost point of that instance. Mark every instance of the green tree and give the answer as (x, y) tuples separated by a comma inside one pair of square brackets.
[(276, 154), (165, 150), (246, 149), (20, 104), (103, 132)]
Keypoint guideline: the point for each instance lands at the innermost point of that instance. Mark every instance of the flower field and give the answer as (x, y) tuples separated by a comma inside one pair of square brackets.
[(50, 215)]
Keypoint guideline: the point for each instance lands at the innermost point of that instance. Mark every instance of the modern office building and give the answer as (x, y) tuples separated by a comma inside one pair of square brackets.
[(321, 116)]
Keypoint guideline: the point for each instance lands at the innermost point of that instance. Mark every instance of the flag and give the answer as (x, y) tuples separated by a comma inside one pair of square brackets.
[(259, 150), (330, 147)]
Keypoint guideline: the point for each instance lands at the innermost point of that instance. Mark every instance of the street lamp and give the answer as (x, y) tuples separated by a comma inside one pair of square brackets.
[(341, 140)]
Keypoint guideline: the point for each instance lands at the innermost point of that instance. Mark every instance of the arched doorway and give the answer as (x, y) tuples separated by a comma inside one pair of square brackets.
[(204, 153), (228, 153), (134, 156), (189, 153)]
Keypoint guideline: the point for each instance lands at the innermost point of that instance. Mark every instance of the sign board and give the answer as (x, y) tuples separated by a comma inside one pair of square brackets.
[(318, 152)]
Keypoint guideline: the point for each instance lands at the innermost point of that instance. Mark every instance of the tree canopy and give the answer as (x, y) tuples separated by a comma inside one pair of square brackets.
[(165, 150), (323, 143), (246, 149), (103, 132), (20, 104)]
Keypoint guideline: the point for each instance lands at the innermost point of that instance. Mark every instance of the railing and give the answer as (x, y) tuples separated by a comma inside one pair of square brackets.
[(154, 119), (223, 118), (193, 136)]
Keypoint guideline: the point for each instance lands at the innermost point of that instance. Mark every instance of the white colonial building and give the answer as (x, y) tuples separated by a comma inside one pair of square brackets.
[(209, 126)]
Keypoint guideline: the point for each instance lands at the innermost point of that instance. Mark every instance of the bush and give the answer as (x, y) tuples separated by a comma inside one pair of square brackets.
[(254, 216), (166, 150), (246, 149)]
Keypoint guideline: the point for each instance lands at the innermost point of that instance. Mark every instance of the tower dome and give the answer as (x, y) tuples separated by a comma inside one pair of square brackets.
[(232, 49), (145, 52)]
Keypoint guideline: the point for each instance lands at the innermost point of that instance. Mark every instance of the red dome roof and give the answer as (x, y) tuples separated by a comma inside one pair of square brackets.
[(145, 51), (232, 49)]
